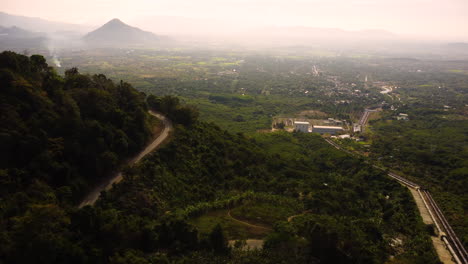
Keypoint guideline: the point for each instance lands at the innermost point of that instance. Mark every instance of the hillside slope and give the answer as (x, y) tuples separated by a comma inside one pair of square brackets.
[(64, 132)]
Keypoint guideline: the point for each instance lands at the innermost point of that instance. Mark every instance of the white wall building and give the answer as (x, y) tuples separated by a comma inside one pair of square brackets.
[(301, 126)]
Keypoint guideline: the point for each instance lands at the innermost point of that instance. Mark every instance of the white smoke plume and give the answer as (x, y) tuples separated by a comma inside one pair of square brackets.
[(56, 60), (51, 46)]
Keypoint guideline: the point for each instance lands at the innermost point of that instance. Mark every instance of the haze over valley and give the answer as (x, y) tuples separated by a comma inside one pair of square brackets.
[(212, 33), (301, 131)]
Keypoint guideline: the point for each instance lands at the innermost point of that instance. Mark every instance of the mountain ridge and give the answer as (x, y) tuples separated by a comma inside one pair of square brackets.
[(37, 24)]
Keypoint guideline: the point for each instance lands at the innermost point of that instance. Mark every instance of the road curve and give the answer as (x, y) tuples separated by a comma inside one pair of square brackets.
[(92, 197)]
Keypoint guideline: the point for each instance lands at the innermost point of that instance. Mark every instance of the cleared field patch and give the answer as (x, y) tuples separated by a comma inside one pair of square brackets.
[(313, 114), (234, 229), (253, 219)]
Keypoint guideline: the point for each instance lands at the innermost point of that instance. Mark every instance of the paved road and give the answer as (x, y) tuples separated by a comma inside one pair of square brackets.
[(92, 197)]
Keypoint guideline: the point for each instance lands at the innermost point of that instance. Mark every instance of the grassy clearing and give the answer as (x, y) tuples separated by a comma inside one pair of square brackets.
[(234, 230), (250, 220), (247, 118), (249, 113)]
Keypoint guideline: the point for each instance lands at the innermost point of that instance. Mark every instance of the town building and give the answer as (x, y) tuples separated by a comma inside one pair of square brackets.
[(332, 130), (301, 126)]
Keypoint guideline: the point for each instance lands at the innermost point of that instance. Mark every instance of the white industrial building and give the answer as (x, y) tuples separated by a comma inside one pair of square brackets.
[(301, 126), (332, 130)]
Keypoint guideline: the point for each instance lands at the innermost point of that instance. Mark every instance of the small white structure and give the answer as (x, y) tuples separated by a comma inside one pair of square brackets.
[(332, 130), (301, 126), (402, 116), (356, 128)]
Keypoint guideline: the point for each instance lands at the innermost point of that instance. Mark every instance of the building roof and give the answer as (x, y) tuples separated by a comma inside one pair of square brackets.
[(329, 127), (301, 123)]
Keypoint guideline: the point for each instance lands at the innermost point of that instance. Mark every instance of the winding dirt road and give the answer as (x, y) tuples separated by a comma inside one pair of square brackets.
[(92, 197)]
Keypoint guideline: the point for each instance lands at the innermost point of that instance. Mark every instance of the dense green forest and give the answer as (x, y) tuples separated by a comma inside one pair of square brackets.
[(64, 131), (60, 135)]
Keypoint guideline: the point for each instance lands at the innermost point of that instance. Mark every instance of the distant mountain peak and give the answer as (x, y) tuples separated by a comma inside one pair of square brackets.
[(115, 21), (116, 32)]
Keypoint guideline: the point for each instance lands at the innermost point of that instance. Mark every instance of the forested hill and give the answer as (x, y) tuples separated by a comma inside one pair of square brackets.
[(62, 133)]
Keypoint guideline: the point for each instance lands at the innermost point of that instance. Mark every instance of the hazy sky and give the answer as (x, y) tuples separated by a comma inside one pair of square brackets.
[(444, 18)]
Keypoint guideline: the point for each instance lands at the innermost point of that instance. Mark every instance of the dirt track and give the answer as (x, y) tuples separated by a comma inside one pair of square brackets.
[(93, 196)]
